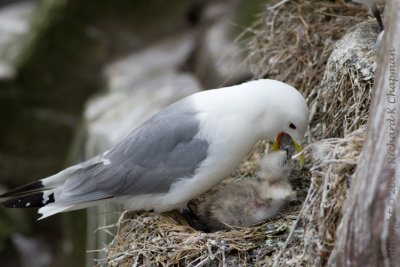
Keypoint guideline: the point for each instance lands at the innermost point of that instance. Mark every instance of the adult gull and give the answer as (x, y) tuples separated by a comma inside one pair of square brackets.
[(177, 154)]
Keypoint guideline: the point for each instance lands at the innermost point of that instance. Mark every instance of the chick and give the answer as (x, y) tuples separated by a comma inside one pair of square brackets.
[(252, 201), (275, 166)]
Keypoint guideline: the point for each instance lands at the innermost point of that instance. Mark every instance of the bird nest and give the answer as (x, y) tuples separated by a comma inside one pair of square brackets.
[(299, 234), (150, 239)]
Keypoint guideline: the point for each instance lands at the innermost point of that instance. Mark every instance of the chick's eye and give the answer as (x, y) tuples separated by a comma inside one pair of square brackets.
[(291, 125)]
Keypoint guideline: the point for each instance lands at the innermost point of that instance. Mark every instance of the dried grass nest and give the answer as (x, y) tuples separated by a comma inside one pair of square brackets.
[(152, 239), (334, 163), (292, 44)]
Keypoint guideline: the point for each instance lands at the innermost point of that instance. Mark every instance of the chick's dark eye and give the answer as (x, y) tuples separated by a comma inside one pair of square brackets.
[(291, 125)]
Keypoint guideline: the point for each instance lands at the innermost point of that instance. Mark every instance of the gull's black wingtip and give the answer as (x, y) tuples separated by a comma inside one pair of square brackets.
[(33, 200), (25, 189)]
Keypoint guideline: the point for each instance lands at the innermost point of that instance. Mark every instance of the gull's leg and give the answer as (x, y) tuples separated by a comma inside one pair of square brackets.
[(193, 220)]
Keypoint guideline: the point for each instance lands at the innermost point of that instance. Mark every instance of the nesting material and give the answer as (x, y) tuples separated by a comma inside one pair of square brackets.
[(164, 240), (294, 39), (334, 162)]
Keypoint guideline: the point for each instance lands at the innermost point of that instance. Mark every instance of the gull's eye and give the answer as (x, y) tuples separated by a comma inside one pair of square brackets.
[(291, 125)]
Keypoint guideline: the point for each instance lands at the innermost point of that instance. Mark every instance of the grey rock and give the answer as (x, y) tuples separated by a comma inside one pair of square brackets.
[(15, 21), (356, 51), (34, 252), (344, 94), (219, 59)]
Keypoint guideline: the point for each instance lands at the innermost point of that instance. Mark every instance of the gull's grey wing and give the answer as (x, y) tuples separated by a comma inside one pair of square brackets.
[(161, 150)]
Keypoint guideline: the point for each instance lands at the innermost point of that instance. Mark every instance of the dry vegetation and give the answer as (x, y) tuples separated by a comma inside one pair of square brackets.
[(333, 163), (292, 43), (340, 103), (294, 40)]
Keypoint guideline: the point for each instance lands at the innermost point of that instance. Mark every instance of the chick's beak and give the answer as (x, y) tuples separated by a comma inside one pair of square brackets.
[(277, 146)]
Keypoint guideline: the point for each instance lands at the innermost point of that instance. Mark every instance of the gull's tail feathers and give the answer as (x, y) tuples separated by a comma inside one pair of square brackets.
[(71, 189), (34, 187), (40, 194), (41, 185), (54, 207)]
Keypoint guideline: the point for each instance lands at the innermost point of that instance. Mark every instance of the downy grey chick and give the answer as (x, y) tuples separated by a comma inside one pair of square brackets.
[(252, 201), (275, 166)]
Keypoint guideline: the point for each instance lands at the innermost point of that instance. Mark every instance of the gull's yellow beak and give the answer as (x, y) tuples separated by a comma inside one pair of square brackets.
[(276, 145), (300, 149)]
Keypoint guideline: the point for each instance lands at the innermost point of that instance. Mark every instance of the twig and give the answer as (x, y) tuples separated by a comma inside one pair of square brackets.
[(278, 4)]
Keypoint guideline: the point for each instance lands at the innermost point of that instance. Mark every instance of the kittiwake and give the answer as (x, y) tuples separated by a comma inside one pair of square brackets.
[(177, 154)]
